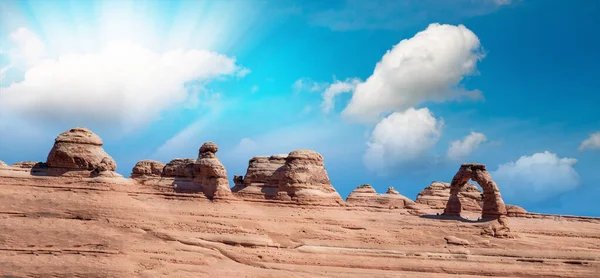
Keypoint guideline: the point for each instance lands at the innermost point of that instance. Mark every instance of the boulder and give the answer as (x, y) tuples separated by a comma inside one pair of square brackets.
[(436, 196), (304, 180), (238, 183), (80, 149), (260, 180), (179, 167), (456, 241), (147, 168), (210, 174), (366, 196), (498, 227)]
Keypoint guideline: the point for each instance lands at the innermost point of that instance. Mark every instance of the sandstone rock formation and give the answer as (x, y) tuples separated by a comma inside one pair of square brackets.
[(515, 211), (391, 190), (80, 149), (2, 164), (366, 196), (260, 180), (210, 174), (25, 164), (303, 179), (437, 194), (493, 205), (106, 228), (456, 241), (238, 183), (206, 174), (179, 167), (147, 168), (498, 228)]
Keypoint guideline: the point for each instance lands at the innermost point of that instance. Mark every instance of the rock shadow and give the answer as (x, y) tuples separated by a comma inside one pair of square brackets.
[(458, 218), (184, 185), (270, 193), (39, 169)]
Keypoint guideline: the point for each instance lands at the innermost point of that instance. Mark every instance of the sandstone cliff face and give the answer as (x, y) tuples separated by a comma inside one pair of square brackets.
[(303, 179), (366, 196), (260, 180), (147, 168), (79, 149), (436, 196)]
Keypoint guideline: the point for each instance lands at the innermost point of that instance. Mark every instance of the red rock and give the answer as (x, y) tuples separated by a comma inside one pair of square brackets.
[(515, 211), (260, 181), (210, 174), (80, 149), (456, 241), (179, 167), (436, 196), (147, 168), (303, 179), (25, 164), (493, 205), (366, 196), (498, 228)]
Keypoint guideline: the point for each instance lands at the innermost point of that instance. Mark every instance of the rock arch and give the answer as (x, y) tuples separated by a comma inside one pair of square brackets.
[(493, 205)]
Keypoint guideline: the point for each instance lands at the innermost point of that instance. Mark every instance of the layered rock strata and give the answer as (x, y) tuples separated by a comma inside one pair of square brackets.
[(260, 180), (516, 211), (147, 168), (304, 180), (210, 174), (437, 194), (80, 151), (179, 168), (493, 205), (26, 164), (366, 196)]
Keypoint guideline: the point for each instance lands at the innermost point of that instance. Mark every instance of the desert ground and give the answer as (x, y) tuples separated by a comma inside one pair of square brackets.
[(117, 227)]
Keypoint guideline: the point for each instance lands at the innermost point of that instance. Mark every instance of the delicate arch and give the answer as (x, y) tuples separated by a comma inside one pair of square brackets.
[(493, 205)]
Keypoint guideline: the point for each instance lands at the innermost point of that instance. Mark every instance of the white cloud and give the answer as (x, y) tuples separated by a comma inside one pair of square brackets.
[(336, 88), (461, 149), (537, 177), (309, 85), (428, 66), (254, 89), (124, 85), (402, 137), (592, 142), (243, 72), (28, 48)]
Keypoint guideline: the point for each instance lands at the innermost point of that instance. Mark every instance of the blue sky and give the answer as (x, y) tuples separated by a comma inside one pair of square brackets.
[(393, 93)]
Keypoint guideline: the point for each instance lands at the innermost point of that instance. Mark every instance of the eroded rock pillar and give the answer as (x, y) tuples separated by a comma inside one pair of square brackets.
[(454, 207), (493, 205)]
